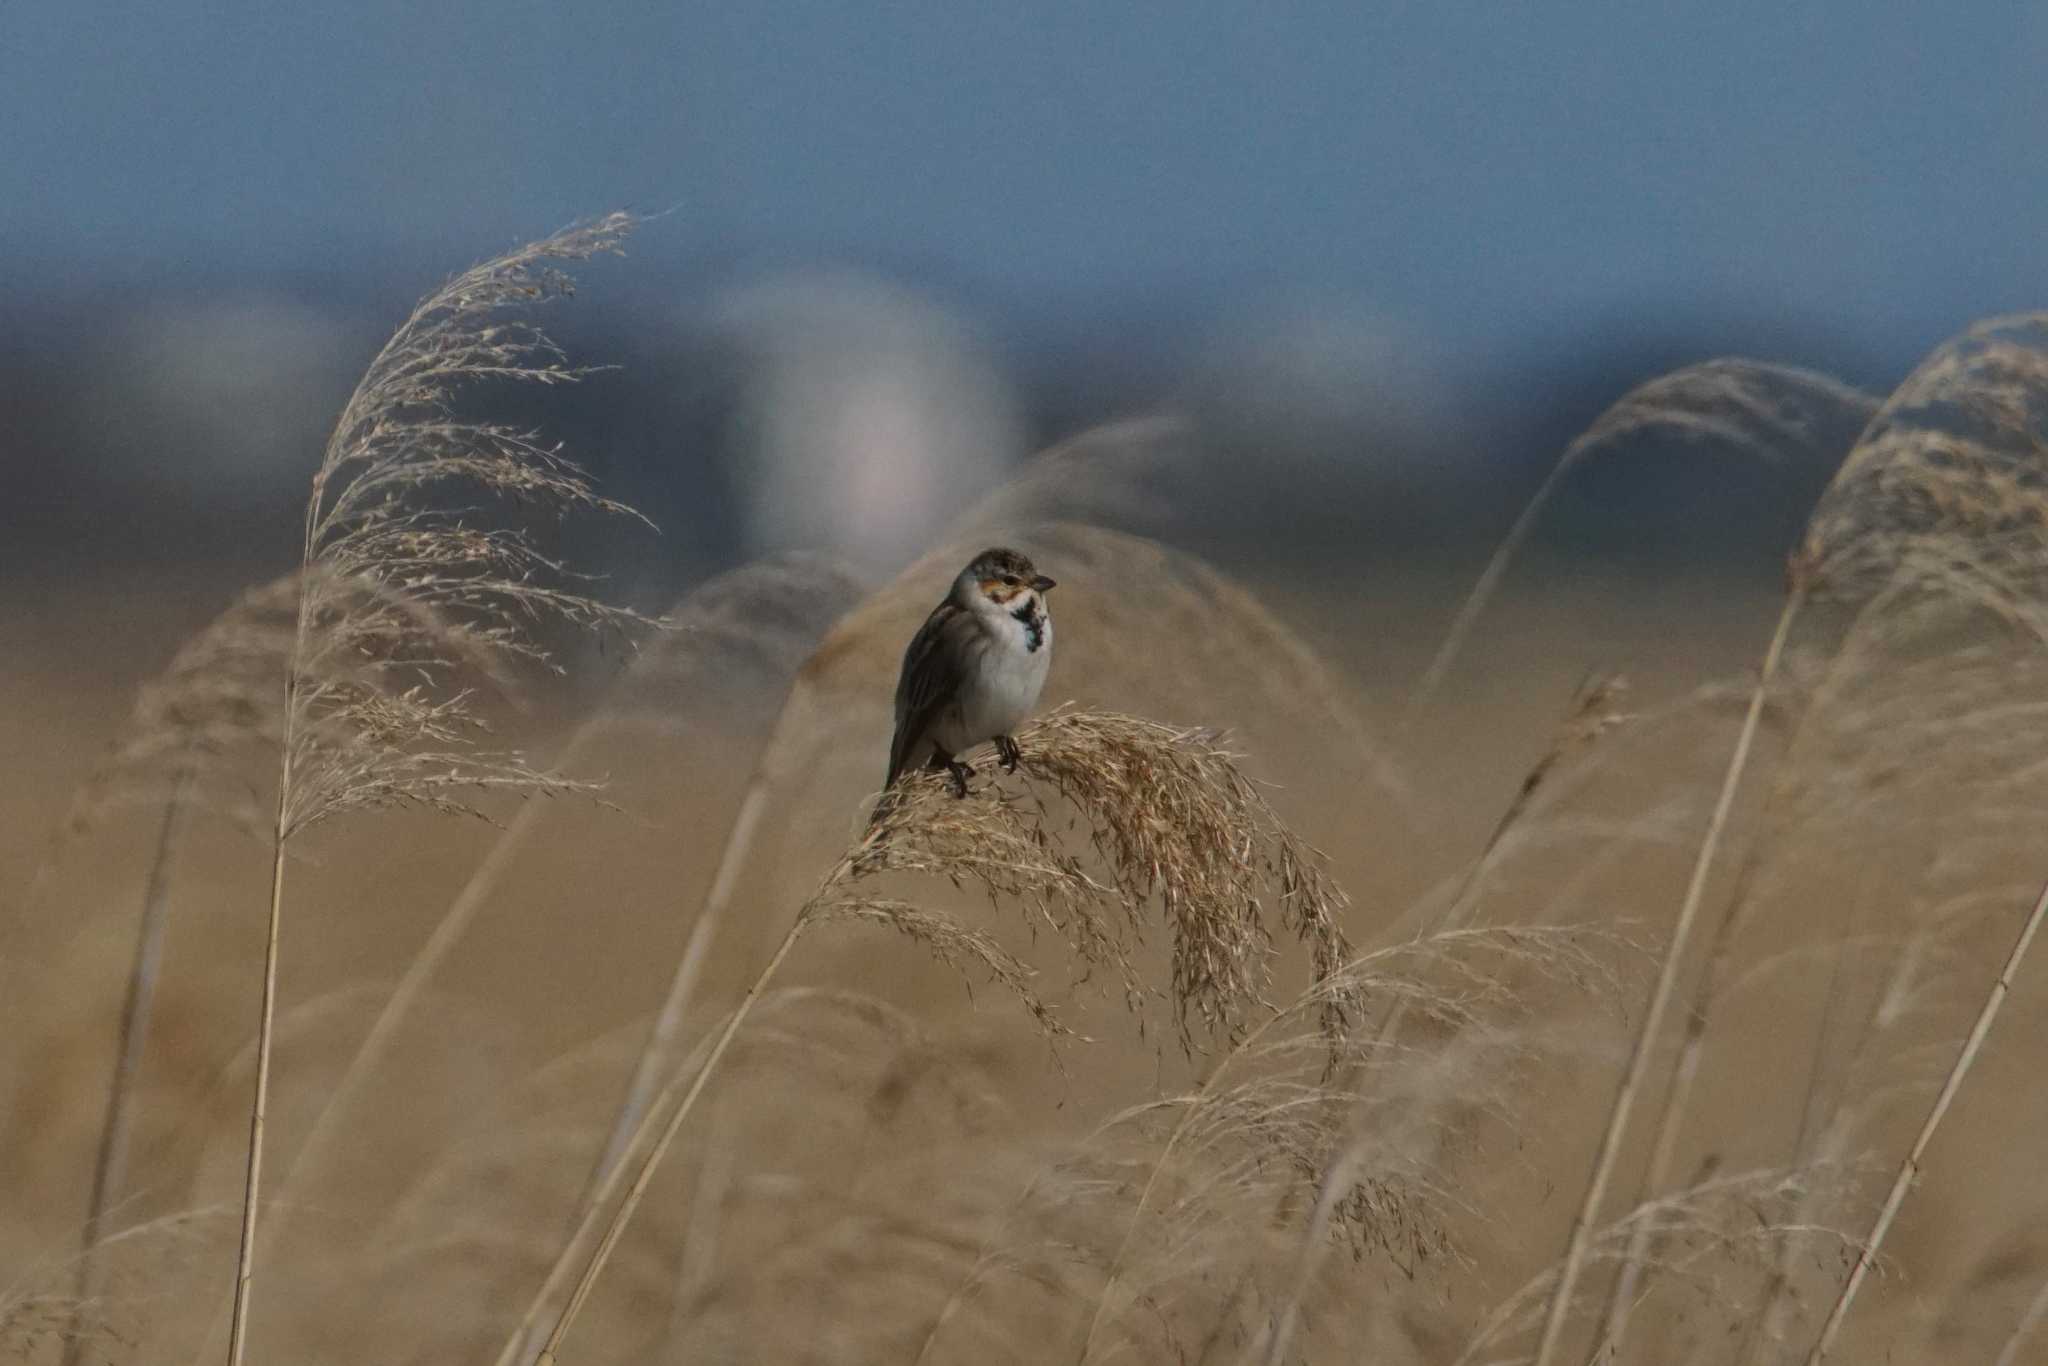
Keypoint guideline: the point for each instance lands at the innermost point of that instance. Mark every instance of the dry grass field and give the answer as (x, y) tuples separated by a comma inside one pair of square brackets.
[(1312, 993)]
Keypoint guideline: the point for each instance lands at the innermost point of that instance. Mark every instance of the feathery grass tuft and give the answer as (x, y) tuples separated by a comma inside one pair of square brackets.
[(411, 577), (1212, 876), (1176, 822)]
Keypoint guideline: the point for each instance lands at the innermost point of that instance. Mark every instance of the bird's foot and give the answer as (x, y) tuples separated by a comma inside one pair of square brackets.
[(1006, 749), (961, 772)]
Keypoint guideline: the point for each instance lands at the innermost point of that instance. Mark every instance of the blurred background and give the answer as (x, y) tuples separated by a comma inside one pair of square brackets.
[(1413, 247), (1375, 264)]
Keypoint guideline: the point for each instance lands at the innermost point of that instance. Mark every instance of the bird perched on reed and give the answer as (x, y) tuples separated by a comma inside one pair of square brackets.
[(973, 671)]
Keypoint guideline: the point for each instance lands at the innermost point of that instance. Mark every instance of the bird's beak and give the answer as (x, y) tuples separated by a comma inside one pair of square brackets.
[(1042, 583)]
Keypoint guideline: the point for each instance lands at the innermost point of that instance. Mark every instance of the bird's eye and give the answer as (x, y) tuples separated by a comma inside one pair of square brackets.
[(1011, 580)]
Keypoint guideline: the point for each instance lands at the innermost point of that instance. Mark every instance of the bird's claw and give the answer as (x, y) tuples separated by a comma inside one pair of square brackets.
[(960, 772), (1007, 750)]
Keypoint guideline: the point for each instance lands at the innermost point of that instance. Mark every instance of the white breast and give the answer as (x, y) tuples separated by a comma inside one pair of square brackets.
[(1001, 688)]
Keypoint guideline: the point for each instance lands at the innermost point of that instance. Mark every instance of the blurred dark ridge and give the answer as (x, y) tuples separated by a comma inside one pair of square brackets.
[(161, 425)]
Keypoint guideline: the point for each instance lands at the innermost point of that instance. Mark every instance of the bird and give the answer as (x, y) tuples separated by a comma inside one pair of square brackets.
[(973, 671)]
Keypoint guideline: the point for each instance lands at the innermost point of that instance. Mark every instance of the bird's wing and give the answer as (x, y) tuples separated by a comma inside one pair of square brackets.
[(929, 682)]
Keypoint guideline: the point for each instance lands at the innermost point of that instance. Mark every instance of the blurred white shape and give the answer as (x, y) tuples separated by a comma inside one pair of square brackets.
[(1328, 381), (869, 416), (243, 388)]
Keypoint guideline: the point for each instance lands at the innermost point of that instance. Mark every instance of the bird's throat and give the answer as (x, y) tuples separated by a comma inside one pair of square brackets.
[(1033, 622)]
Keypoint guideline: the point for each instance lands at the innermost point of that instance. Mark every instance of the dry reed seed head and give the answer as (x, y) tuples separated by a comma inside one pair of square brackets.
[(212, 720), (413, 574), (1913, 755), (1170, 819), (1595, 710), (754, 624), (1118, 475), (1708, 1234), (1953, 460), (964, 950), (1171, 1199), (1751, 405)]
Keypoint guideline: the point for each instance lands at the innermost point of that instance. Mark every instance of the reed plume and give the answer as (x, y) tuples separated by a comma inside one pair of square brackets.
[(1168, 821), (1945, 471), (410, 577)]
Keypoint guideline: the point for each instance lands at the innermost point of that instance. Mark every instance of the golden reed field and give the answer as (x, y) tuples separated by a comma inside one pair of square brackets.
[(1559, 964)]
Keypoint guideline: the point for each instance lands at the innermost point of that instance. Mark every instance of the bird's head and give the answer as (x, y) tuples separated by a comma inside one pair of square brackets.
[(1003, 581)]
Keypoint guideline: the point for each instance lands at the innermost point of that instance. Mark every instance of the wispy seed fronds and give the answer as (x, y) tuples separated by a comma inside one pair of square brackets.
[(218, 705), (952, 943), (1764, 409), (1168, 814), (1706, 1232), (735, 641), (1171, 819), (1954, 457), (414, 568)]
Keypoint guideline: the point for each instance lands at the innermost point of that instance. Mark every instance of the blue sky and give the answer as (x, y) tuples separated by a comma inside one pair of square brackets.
[(1869, 168)]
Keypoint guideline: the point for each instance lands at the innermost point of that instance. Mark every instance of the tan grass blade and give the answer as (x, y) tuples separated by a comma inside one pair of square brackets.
[(1909, 1169), (110, 1165), (1643, 1046), (617, 1227), (2024, 1330), (826, 590), (1658, 1175), (259, 1105)]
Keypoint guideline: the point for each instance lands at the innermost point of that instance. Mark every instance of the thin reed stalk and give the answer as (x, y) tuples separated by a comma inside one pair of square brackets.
[(704, 930), (515, 1347), (1670, 1126), (397, 1008), (1482, 592), (1644, 1044), (259, 1106), (2023, 1331), (1707, 993), (661, 1037), (642, 1098), (786, 593), (1909, 1169), (1331, 1185), (475, 894), (617, 1227), (1767, 1325), (1749, 405), (110, 1164)]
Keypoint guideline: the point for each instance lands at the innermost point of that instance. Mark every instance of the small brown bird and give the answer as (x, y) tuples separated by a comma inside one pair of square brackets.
[(974, 670)]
